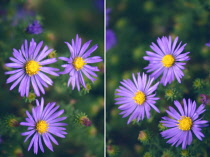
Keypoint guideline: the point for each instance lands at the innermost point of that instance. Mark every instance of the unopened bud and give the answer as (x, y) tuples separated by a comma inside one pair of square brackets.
[(85, 121)]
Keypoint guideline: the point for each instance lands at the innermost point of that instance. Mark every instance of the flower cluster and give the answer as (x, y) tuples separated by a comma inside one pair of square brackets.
[(30, 66), (31, 71), (137, 97)]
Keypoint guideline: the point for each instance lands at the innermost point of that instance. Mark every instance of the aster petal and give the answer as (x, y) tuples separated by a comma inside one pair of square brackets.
[(43, 54), (32, 47), (47, 141), (70, 49), (16, 61), (197, 132), (56, 132), (37, 50), (155, 48), (84, 48), (81, 80), (63, 58), (58, 124), (179, 107), (94, 59), (68, 69), (35, 87), (52, 139), (128, 111), (46, 78), (56, 114), (153, 106), (26, 124), (48, 114), (32, 141), (57, 120), (40, 80), (49, 70), (91, 50), (48, 61), (14, 77), (25, 51), (47, 109), (28, 134), (40, 144), (179, 50), (35, 115), (182, 57), (173, 115), (172, 110), (18, 56), (22, 88), (14, 65), (88, 75), (138, 113), (36, 143), (39, 85)]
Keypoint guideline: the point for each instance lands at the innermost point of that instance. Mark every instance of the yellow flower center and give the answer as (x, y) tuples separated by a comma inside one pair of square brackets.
[(185, 123), (32, 67), (41, 127), (168, 61), (78, 63), (139, 97)]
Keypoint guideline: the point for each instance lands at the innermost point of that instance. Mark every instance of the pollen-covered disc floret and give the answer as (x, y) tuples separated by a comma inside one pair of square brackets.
[(41, 127), (78, 64), (31, 68), (136, 98), (43, 124), (167, 60), (183, 123), (139, 97)]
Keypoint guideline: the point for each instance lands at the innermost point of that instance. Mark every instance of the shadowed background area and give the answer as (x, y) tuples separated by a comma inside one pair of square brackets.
[(136, 25), (60, 21)]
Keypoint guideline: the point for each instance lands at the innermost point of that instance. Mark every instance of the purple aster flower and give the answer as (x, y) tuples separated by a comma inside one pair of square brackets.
[(34, 28), (167, 60), (208, 44), (77, 64), (183, 123), (30, 68), (42, 124), (110, 39), (137, 97)]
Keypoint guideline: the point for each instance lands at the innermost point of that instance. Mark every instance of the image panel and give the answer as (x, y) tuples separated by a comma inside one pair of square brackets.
[(52, 78), (157, 76)]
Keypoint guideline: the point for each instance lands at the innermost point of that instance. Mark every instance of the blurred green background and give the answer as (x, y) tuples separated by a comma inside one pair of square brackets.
[(137, 24), (61, 21)]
